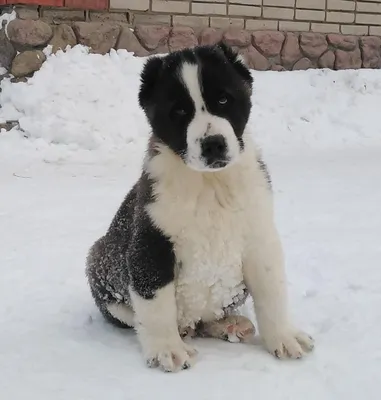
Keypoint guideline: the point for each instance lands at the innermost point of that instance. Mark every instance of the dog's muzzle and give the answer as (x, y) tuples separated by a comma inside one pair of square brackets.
[(214, 151)]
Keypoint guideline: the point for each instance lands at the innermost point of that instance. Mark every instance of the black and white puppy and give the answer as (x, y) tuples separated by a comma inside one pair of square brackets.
[(196, 232)]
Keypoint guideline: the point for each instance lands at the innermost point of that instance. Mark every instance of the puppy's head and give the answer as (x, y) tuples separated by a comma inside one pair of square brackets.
[(198, 104)]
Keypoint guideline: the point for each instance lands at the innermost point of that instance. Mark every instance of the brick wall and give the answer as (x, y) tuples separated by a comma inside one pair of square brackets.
[(359, 17), (82, 4)]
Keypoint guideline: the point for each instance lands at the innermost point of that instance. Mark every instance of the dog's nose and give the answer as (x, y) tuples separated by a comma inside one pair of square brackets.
[(213, 148)]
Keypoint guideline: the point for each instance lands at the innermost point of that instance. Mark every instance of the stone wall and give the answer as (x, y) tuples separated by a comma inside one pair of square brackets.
[(263, 49)]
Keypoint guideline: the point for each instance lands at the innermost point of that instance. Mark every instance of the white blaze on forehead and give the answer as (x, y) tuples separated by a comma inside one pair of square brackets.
[(190, 77), (203, 122)]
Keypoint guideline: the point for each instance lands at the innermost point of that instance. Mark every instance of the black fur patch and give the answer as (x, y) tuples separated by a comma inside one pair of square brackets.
[(151, 258), (132, 253), (265, 170)]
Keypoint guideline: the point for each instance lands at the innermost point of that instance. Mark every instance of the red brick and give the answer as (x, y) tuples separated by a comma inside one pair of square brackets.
[(87, 4), (52, 3)]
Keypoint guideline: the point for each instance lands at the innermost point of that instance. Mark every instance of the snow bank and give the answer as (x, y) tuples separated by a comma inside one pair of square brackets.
[(7, 18), (84, 107)]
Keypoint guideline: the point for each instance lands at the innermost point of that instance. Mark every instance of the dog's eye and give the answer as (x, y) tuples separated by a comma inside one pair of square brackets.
[(180, 112), (223, 100)]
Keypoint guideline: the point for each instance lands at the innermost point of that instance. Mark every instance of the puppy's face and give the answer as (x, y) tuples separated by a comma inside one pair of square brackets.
[(198, 104)]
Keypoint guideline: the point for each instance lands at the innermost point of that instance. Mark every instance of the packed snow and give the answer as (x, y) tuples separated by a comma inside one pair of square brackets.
[(7, 17), (64, 172)]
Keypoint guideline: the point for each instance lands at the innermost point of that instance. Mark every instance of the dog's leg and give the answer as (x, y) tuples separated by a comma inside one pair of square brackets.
[(121, 312), (233, 328), (156, 325), (264, 275)]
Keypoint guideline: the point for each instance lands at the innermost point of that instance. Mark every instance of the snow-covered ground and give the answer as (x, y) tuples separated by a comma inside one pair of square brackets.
[(64, 175)]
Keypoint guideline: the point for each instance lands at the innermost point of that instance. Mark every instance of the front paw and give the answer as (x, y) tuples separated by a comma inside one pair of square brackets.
[(171, 357), (288, 343)]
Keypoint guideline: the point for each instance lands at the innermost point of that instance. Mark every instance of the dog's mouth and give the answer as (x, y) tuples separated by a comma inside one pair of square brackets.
[(203, 165), (218, 164)]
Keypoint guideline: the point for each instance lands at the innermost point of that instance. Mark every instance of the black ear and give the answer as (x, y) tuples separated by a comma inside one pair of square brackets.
[(237, 62), (148, 79)]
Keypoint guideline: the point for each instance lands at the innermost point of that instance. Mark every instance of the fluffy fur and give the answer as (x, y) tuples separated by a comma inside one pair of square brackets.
[(196, 233)]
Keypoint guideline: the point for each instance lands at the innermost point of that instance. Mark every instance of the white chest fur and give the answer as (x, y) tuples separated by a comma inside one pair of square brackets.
[(208, 218)]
